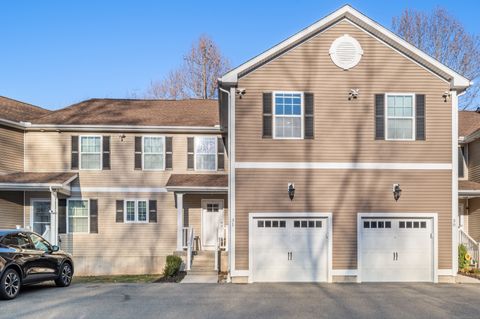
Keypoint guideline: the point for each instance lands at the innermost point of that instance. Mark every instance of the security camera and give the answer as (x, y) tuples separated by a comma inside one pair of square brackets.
[(241, 92)]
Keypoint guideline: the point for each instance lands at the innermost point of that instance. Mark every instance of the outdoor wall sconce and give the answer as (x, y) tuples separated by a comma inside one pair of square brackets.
[(396, 191), (446, 95), (353, 94), (122, 137), (291, 190)]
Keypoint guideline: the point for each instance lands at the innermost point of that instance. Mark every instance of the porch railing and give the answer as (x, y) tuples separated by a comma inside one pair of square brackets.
[(472, 246), (185, 234), (46, 233), (189, 248), (223, 238)]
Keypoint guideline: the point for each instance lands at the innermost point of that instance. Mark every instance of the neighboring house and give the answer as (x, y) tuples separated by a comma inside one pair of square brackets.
[(469, 178), (327, 129), (124, 179)]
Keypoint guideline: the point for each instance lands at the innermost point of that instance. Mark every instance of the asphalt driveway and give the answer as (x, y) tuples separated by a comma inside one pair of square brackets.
[(246, 301)]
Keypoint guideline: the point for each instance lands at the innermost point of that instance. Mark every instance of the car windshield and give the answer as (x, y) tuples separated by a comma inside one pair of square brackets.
[(39, 242)]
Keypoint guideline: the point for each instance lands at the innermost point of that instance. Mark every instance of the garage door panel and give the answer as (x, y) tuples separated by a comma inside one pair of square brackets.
[(403, 251)]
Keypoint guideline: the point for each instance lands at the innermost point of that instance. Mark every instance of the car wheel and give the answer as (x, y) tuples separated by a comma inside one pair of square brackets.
[(10, 284), (65, 278)]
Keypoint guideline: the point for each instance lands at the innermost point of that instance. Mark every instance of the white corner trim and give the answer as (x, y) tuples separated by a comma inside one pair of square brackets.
[(433, 216), (78, 189), (454, 220), (326, 215), (231, 184), (357, 165), (344, 272)]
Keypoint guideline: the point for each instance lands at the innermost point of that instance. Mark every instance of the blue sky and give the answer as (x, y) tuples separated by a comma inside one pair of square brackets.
[(55, 53)]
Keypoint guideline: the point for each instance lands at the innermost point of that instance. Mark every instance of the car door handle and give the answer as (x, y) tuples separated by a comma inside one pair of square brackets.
[(396, 255)]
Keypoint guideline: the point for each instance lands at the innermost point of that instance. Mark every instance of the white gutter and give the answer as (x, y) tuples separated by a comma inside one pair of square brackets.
[(19, 125), (122, 128)]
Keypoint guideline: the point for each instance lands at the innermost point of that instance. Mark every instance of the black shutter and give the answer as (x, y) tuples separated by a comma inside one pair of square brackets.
[(93, 216), (106, 152), (220, 154), (168, 153), (119, 211), (190, 153), (138, 152), (379, 116), (309, 109), (267, 115), (420, 116), (74, 159), (152, 211), (62, 216)]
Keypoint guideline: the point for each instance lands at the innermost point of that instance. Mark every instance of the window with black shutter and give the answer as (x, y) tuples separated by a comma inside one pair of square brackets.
[(119, 216), (74, 155), (168, 153), (138, 152), (190, 153), (93, 216), (267, 115), (220, 154), (106, 152)]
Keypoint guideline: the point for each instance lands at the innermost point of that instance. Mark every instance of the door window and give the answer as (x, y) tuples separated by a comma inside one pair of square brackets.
[(41, 216)]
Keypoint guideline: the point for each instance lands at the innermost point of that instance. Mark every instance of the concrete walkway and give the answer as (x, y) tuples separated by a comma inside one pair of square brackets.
[(461, 279), (200, 279)]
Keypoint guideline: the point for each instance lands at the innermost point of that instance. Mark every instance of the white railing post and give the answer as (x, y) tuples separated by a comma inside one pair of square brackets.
[(217, 249), (179, 221), (189, 249)]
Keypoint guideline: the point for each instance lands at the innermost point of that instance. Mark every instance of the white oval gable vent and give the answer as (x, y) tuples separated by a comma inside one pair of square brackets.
[(346, 52)]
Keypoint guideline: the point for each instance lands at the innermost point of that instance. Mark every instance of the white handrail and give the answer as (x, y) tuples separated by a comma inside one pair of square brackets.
[(217, 249), (185, 233), (189, 249), (46, 233), (472, 246)]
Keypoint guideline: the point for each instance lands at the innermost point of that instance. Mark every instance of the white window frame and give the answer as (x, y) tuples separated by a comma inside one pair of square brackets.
[(302, 115), (136, 221), (80, 153), (195, 140), (32, 213), (413, 117), (143, 153), (465, 162), (68, 216)]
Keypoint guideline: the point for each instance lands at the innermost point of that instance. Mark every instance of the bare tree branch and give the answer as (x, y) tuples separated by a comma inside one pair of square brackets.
[(196, 77), (443, 37)]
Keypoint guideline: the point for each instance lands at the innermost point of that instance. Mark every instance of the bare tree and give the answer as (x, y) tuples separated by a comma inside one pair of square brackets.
[(196, 77), (443, 37)]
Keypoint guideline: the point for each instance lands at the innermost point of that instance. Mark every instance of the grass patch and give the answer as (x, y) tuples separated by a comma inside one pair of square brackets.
[(116, 279)]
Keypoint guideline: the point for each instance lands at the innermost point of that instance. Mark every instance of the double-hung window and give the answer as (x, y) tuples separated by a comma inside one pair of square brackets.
[(90, 152), (136, 211), (288, 115), (153, 152), (400, 117), (205, 153), (78, 216)]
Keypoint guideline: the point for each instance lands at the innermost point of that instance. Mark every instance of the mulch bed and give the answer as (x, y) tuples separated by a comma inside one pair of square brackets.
[(176, 278), (471, 273)]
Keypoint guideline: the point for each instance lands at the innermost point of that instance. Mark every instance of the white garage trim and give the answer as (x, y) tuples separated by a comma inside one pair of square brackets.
[(432, 216), (251, 217)]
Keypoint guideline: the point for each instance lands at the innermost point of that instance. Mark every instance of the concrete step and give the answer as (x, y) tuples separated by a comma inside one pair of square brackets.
[(202, 272)]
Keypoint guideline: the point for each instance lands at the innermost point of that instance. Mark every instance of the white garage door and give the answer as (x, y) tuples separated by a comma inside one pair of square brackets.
[(396, 249), (289, 249)]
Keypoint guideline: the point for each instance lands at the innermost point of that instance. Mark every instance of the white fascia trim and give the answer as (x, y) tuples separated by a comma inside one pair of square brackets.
[(344, 272), (466, 192), (124, 128), (457, 79), (28, 185), (433, 216), (326, 215), (78, 189), (325, 165)]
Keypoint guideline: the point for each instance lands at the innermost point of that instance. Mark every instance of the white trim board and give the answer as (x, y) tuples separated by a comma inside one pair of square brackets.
[(326, 165), (326, 215), (107, 189), (433, 216)]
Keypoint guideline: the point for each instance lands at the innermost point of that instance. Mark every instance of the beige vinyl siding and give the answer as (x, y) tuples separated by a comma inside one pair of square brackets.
[(344, 130), (12, 150), (474, 161), (344, 193), (11, 209), (51, 151), (474, 218)]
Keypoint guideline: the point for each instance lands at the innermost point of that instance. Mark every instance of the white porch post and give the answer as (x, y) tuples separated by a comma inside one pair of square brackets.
[(53, 217), (179, 221)]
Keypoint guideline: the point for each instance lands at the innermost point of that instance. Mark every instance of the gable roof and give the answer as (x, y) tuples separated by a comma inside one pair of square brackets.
[(17, 111), (131, 112), (468, 123), (456, 80)]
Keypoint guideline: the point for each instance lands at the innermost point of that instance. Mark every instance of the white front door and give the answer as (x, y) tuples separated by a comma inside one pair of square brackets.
[(289, 249), (212, 222), (396, 249), (40, 215)]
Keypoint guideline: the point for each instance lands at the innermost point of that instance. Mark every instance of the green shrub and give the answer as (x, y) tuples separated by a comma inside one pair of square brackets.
[(462, 252), (172, 266)]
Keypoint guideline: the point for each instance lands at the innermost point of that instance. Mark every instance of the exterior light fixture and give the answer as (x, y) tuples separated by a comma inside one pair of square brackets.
[(446, 95), (396, 191), (122, 137), (353, 94), (291, 190)]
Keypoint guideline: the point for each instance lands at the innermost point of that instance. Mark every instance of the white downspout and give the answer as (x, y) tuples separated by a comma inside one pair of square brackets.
[(53, 216)]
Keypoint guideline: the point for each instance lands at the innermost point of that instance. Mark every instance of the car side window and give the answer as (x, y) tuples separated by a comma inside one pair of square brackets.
[(19, 240), (40, 243)]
